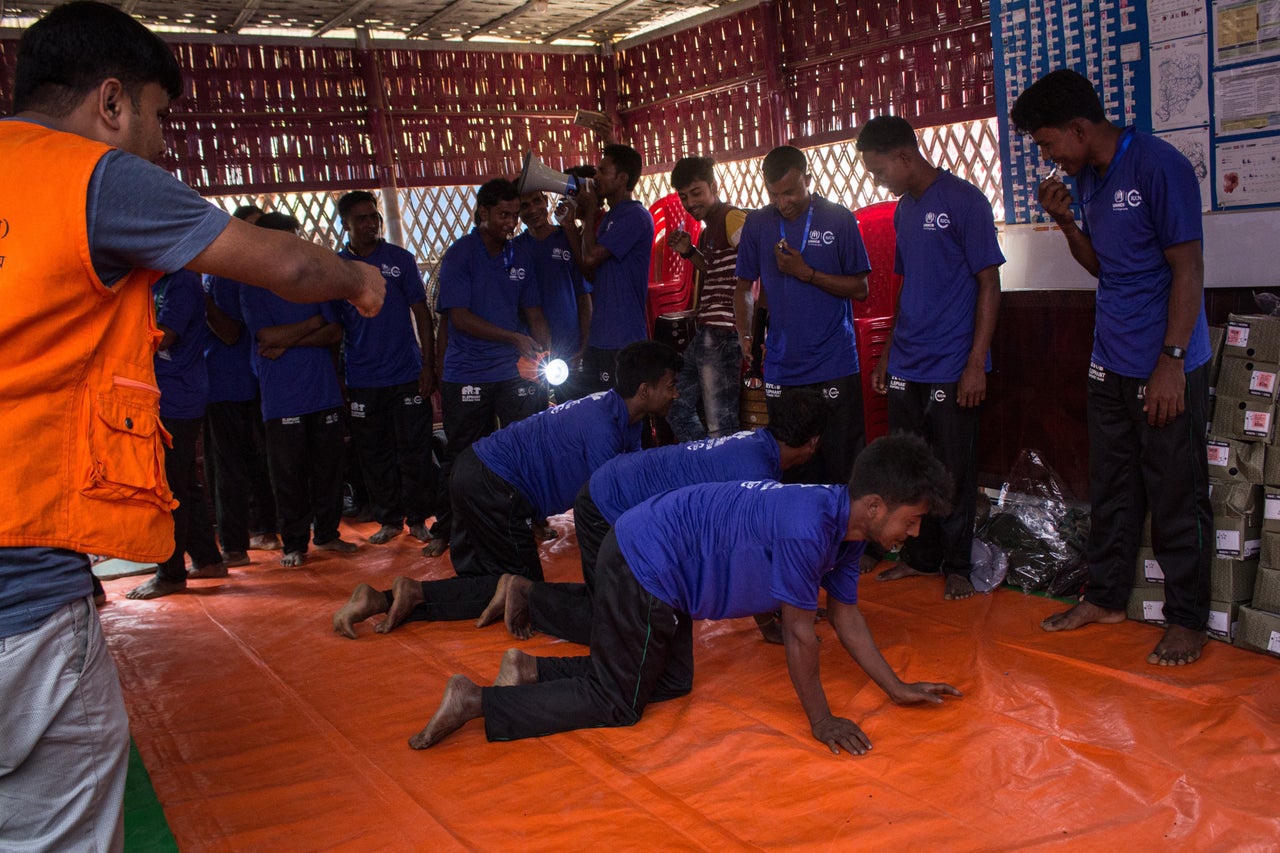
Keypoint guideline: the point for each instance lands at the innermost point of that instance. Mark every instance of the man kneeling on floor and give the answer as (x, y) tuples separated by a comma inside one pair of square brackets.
[(530, 469), (716, 552)]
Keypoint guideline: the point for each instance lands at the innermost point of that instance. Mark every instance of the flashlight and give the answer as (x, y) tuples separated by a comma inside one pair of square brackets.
[(554, 371)]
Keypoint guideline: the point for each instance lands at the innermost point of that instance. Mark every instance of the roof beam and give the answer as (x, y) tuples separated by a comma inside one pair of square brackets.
[(246, 14), (426, 25), (342, 17), (592, 21), (518, 11)]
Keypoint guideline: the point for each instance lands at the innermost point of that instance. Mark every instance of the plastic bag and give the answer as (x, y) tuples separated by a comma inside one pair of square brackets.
[(990, 565)]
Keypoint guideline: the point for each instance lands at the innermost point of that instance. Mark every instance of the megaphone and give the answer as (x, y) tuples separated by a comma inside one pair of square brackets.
[(537, 176)]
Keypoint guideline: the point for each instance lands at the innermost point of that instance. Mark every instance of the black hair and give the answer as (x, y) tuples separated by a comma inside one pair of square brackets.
[(800, 415), (781, 160), (644, 362), (277, 221), (244, 211), (351, 199), (494, 191), (883, 134), (583, 171), (1054, 100), (690, 169), (626, 159), (902, 470), (73, 49)]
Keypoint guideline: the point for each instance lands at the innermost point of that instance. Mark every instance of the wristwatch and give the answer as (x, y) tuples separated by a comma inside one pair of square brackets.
[(1173, 351)]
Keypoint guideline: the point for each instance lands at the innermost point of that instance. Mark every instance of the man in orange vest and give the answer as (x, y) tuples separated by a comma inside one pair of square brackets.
[(87, 224)]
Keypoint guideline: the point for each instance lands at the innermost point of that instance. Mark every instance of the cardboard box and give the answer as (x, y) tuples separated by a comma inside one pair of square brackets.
[(1258, 630), (1252, 336), (1247, 377), (1232, 580), (1217, 334), (1147, 571), (1238, 500), (1270, 467), (1271, 509), (1223, 616), (1266, 591), (1236, 537), (1244, 418), (1270, 553), (1236, 461), (1146, 604)]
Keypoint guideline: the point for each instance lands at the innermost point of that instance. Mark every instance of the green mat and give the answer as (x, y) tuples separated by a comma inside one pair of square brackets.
[(145, 829)]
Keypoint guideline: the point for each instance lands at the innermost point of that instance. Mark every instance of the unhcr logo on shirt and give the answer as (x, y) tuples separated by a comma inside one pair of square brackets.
[(516, 274), (936, 221), (821, 238), (389, 271)]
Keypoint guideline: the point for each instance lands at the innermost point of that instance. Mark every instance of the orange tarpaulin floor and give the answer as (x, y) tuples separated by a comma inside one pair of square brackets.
[(263, 730)]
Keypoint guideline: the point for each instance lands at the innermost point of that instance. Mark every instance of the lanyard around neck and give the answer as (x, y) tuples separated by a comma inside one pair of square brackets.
[(804, 237), (1111, 168)]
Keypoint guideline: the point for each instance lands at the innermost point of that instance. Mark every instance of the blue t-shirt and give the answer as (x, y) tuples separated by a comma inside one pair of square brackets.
[(725, 550), (944, 239), (1148, 200), (302, 380), (623, 482), (620, 288), (561, 284), (548, 456), (383, 351), (810, 331), (125, 233), (494, 288), (180, 370), (230, 366)]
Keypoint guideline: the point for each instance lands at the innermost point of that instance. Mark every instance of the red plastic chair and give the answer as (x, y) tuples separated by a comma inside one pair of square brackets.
[(873, 318), (670, 276)]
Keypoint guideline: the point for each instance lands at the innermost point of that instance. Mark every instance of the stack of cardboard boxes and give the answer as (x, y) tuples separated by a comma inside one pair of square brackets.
[(1244, 474)]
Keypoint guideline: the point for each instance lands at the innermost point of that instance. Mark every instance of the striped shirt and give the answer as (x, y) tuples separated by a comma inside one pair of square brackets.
[(717, 284)]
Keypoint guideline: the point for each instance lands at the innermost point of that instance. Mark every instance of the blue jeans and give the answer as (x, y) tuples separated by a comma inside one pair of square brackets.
[(713, 374)]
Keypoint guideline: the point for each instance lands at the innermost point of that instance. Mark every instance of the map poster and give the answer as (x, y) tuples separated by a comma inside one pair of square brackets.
[(1180, 83), (1194, 145), (1248, 172)]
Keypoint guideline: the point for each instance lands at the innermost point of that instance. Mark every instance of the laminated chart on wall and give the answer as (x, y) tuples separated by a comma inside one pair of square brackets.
[(1105, 40)]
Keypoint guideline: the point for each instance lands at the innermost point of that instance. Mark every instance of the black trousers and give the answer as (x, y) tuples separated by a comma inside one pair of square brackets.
[(1133, 467), (564, 609), (470, 412), (932, 411), (641, 652), (492, 536), (843, 438), (243, 501), (304, 454), (192, 533), (391, 430)]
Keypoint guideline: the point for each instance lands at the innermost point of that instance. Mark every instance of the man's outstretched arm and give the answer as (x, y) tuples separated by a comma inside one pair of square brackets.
[(854, 635), (802, 645)]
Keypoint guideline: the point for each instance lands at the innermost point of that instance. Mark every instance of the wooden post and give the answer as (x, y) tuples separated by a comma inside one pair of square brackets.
[(380, 134), (777, 127)]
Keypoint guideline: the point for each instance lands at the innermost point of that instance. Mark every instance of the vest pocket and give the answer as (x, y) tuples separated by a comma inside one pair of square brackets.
[(126, 445)]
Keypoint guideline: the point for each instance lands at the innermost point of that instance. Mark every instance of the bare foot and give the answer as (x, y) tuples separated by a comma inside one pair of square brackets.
[(293, 559), (209, 570), (1179, 646), (901, 570), (517, 668), (337, 544), (497, 605), (264, 542), (1082, 614), (420, 532), (154, 588), (406, 594), (867, 563), (385, 534), (364, 602), (958, 587), (516, 608), (542, 531), (231, 559), (461, 703), (435, 548)]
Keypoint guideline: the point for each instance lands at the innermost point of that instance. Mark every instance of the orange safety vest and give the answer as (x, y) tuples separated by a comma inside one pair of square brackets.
[(81, 444)]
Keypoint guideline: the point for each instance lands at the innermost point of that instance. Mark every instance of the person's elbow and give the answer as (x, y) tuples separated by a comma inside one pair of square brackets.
[(860, 288)]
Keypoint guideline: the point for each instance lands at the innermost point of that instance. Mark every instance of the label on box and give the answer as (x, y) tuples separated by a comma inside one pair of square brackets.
[(1153, 572), (1237, 334), (1219, 453), (1252, 547), (1273, 644), (1272, 511), (1228, 541), (1219, 622), (1153, 611), (1257, 423), (1261, 382)]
